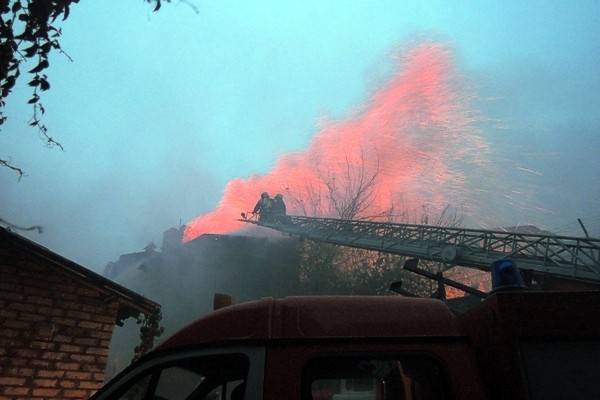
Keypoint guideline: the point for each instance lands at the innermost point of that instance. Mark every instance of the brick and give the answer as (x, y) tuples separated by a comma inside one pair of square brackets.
[(77, 332), (67, 286), (52, 311), (10, 333), (12, 323), (92, 308), (50, 374), (10, 282), (34, 317), (99, 376), (82, 291), (89, 385), (18, 306), (37, 288), (9, 266), (12, 296), (9, 342), (43, 344), (79, 315), (97, 350), (15, 391), (45, 382), (70, 348), (86, 341), (18, 372), (68, 384), (100, 334), (53, 355), (37, 362), (73, 305), (62, 338), (67, 366), (82, 359), (78, 375), (105, 319), (7, 313), (45, 392), (90, 325), (77, 393), (63, 321), (68, 297), (39, 300), (27, 353), (32, 277), (98, 365), (12, 381), (10, 285), (19, 361)]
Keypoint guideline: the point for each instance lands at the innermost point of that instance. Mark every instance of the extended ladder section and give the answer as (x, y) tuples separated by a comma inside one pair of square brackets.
[(563, 256)]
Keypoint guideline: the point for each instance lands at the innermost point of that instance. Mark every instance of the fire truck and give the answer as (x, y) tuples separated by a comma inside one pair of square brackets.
[(515, 343)]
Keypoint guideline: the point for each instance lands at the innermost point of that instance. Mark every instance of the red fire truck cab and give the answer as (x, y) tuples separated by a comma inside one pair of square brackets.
[(514, 345)]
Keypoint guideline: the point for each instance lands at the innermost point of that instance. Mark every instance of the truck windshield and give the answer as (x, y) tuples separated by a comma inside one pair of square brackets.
[(373, 378)]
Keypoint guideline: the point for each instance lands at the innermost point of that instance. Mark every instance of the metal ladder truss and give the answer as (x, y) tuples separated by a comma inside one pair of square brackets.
[(563, 256)]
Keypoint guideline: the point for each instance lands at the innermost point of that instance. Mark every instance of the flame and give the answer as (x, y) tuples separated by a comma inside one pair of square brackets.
[(416, 134)]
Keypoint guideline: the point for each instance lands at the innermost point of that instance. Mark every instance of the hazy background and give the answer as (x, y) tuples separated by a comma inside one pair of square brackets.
[(158, 111)]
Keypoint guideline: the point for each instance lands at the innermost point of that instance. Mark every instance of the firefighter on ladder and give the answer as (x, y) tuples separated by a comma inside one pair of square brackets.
[(263, 207), (278, 209)]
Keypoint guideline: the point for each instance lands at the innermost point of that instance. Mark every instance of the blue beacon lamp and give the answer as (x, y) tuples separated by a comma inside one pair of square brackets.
[(506, 276)]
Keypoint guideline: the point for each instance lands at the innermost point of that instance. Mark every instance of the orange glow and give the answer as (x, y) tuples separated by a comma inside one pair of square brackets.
[(416, 132)]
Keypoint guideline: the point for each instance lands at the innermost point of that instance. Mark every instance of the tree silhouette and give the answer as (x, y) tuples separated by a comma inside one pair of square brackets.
[(350, 191), (29, 32)]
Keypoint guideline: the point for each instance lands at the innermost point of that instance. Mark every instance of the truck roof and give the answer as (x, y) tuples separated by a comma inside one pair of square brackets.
[(321, 317)]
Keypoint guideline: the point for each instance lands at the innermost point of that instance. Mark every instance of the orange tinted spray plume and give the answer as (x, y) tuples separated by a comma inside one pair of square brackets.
[(416, 135)]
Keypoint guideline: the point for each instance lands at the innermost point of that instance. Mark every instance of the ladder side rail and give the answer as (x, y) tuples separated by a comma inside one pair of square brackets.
[(571, 254), (543, 252), (592, 251), (589, 253), (560, 251)]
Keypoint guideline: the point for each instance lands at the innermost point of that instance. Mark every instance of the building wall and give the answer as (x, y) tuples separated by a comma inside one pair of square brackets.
[(55, 332)]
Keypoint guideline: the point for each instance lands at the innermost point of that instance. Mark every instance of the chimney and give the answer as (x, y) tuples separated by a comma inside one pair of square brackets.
[(172, 238)]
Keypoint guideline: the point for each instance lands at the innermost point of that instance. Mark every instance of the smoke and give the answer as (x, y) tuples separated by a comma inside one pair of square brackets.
[(416, 133)]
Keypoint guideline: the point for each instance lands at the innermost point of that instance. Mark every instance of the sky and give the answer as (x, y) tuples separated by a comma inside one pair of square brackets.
[(159, 112)]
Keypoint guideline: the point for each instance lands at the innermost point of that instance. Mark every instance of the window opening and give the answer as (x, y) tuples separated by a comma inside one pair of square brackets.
[(374, 378), (198, 378)]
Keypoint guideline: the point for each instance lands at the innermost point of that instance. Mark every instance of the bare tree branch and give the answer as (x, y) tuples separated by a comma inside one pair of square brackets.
[(350, 192), (7, 164), (28, 32)]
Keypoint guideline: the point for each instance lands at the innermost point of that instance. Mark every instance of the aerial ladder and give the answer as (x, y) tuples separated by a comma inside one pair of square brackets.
[(574, 259)]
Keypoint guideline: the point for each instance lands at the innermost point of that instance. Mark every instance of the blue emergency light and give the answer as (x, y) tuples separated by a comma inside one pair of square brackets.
[(506, 276)]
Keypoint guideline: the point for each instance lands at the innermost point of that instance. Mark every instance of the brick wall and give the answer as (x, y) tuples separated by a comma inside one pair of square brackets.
[(54, 331)]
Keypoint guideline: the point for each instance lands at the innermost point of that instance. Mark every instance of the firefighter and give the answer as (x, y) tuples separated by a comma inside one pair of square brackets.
[(278, 208), (263, 207)]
